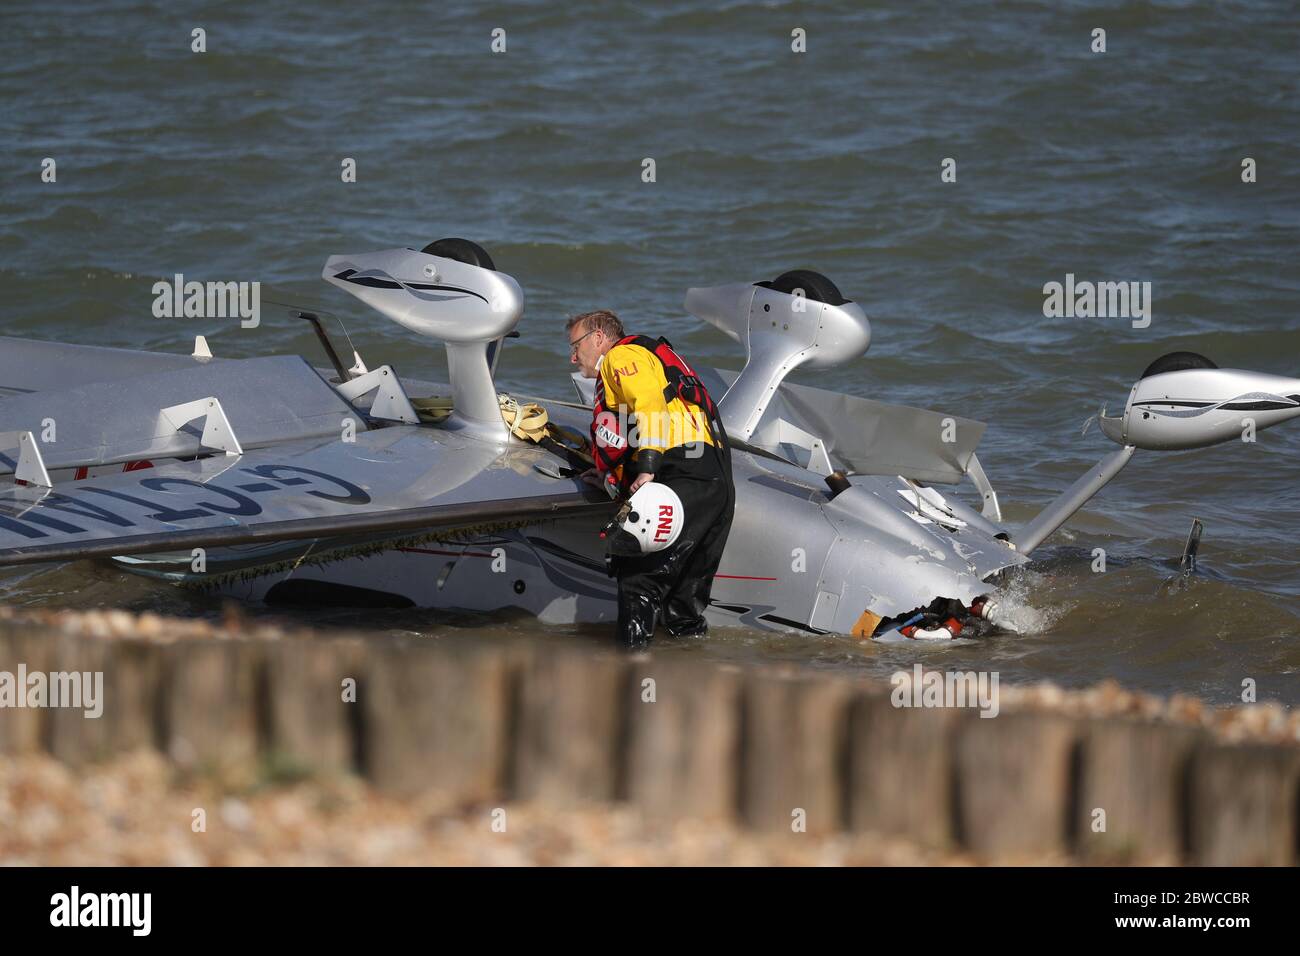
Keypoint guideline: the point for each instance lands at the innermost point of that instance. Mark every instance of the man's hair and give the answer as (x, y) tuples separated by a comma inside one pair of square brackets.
[(602, 319)]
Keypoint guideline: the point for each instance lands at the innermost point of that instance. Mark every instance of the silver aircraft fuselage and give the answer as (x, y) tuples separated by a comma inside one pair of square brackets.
[(796, 559), (273, 480)]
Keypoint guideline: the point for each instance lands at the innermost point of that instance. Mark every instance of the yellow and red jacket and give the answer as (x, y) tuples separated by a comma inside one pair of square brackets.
[(648, 400)]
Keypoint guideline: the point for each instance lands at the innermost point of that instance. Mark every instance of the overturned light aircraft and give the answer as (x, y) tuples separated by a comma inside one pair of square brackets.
[(272, 480)]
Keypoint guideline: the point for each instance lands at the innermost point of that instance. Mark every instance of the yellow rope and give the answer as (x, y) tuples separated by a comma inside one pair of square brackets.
[(528, 421)]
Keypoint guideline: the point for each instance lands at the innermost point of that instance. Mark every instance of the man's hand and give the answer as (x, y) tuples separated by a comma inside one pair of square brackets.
[(591, 477), (638, 481)]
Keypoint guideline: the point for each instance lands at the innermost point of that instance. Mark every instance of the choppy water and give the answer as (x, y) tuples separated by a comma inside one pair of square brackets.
[(1115, 166)]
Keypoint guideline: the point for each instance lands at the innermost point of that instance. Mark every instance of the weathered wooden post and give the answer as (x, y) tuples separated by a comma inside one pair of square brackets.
[(1131, 802), (569, 735), (683, 721), (23, 730), (1243, 801), (793, 752), (313, 704), (1015, 784), (211, 704), (436, 717), (901, 769)]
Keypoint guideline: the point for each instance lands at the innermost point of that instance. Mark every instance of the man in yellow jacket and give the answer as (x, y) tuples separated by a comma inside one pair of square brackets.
[(653, 420)]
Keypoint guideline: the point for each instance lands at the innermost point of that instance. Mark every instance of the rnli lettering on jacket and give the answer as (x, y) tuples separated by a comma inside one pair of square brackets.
[(639, 406)]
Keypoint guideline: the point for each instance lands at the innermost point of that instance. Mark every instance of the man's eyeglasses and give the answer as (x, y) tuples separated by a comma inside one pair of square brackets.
[(573, 346)]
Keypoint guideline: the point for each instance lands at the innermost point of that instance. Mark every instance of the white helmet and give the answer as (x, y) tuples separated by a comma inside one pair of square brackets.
[(656, 517)]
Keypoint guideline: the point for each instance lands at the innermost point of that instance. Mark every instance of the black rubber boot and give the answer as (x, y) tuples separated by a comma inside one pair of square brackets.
[(638, 612)]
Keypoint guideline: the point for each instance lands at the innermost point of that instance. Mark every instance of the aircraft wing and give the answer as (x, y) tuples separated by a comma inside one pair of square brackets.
[(390, 480), (34, 365), (870, 437), (268, 401)]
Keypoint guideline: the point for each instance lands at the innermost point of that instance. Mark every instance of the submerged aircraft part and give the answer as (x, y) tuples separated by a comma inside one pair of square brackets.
[(838, 528)]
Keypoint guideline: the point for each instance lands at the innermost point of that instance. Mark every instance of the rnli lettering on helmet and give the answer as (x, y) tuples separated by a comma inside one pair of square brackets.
[(665, 523), (607, 435)]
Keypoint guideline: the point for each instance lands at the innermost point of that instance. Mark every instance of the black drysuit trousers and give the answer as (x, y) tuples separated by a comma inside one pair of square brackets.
[(675, 583)]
